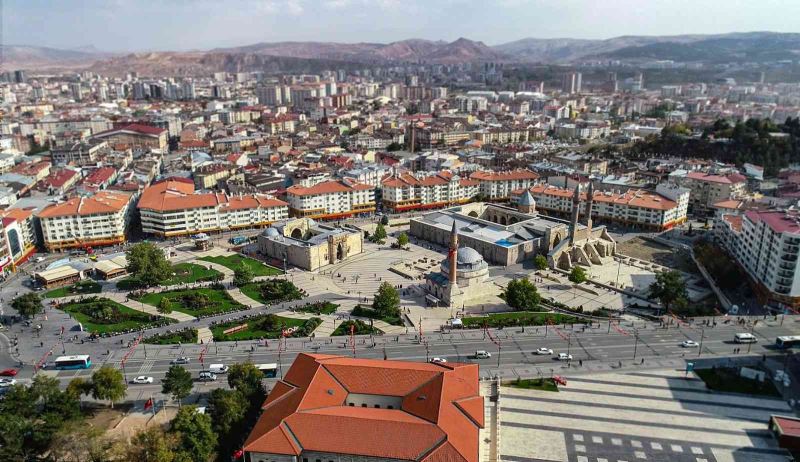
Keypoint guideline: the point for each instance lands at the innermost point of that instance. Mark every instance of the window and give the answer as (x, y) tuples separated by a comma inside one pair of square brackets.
[(390, 407), (349, 404), (363, 404), (377, 406)]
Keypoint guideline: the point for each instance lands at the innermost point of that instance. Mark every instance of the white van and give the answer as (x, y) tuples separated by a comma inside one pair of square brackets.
[(745, 337), (218, 368)]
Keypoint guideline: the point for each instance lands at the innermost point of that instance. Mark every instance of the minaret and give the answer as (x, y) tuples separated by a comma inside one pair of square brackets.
[(573, 226), (451, 256), (589, 200)]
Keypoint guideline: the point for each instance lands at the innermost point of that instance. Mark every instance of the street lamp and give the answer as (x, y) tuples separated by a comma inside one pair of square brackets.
[(635, 342), (702, 336)]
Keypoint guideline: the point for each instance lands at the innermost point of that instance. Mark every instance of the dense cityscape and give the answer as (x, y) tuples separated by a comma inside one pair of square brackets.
[(543, 250)]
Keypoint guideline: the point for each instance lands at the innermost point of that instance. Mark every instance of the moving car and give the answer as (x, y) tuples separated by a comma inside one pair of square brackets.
[(482, 354), (142, 379), (689, 344), (564, 357), (8, 372), (180, 360), (544, 351), (438, 360), (7, 382), (206, 376), (218, 368)]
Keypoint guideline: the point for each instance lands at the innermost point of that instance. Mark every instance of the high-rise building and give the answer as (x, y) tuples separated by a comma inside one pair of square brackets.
[(189, 91), (76, 91), (571, 83), (19, 76)]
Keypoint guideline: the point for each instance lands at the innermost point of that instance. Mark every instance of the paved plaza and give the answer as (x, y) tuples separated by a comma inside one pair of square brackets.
[(653, 415)]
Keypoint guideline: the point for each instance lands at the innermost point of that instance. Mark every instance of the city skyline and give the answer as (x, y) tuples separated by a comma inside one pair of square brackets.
[(201, 25)]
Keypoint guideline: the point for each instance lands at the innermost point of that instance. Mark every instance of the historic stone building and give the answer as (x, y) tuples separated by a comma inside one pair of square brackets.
[(309, 245), (463, 277)]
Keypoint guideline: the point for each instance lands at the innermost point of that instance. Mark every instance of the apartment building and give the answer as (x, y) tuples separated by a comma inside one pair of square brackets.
[(93, 221), (20, 233), (766, 243), (708, 189), (403, 192), (331, 200), (335, 408), (637, 208), (81, 153), (497, 186), (171, 208)]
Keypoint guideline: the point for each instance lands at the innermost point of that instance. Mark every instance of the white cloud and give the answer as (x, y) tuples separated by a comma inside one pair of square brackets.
[(294, 8)]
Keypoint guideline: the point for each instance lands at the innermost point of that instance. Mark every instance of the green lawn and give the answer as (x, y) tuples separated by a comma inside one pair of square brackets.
[(266, 326), (533, 384), (318, 308), (233, 261), (185, 273), (520, 318), (80, 288), (173, 338), (728, 380), (367, 312), (362, 328), (203, 301), (102, 315), (277, 290)]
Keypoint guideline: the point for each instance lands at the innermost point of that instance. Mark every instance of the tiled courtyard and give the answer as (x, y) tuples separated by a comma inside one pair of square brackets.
[(635, 417)]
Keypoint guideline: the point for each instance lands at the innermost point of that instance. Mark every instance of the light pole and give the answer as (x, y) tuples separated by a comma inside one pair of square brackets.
[(702, 336), (752, 329), (635, 342)]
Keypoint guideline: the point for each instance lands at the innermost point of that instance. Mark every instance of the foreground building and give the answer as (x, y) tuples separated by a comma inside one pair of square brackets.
[(93, 221), (309, 245), (498, 186), (171, 208), (330, 200), (766, 244), (334, 408), (404, 192), (137, 136)]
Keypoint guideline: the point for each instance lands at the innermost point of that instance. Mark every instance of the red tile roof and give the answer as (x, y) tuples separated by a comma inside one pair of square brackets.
[(59, 178), (779, 221), (326, 187), (438, 420), (135, 128), (101, 203), (725, 179), (504, 176)]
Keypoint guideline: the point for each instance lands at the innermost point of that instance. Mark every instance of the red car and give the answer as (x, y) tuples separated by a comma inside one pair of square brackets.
[(8, 372)]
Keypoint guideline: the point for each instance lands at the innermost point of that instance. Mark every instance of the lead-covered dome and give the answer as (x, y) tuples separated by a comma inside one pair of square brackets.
[(271, 232), (468, 256)]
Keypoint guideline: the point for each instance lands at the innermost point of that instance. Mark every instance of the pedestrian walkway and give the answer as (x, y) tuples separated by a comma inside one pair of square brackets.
[(204, 335)]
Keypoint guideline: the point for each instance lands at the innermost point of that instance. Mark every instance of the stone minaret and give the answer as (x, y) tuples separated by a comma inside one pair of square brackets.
[(589, 200), (573, 225), (451, 256)]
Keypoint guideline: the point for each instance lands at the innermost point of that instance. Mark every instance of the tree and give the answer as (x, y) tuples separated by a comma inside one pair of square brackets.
[(246, 378), (227, 408), (541, 262), (242, 275), (195, 436), (153, 445), (387, 300), (79, 442), (578, 274), (402, 240), (108, 383), (147, 263), (379, 236), (177, 382), (385, 220), (394, 147), (28, 305), (668, 288), (521, 294), (164, 306)]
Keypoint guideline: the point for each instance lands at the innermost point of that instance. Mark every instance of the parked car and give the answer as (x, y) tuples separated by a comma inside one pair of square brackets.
[(564, 357), (206, 376), (142, 379), (482, 354), (8, 372), (218, 368), (7, 382), (689, 344), (180, 360), (544, 351)]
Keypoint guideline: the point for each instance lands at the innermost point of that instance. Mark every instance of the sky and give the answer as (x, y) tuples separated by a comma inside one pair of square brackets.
[(142, 25)]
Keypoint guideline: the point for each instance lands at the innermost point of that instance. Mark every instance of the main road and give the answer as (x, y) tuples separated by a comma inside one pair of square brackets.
[(513, 352)]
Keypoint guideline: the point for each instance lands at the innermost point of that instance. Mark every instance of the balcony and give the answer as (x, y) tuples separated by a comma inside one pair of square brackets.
[(790, 249), (792, 258)]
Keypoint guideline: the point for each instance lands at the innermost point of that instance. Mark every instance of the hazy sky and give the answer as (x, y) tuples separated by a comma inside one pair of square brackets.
[(128, 25)]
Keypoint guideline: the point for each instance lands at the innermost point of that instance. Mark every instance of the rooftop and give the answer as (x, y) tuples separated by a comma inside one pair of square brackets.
[(100, 203)]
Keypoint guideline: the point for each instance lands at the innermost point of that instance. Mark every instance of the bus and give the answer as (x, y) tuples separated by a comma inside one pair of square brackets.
[(270, 371), (73, 362), (787, 341)]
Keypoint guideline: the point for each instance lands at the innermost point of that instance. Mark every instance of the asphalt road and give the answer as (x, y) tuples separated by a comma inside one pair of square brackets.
[(515, 353)]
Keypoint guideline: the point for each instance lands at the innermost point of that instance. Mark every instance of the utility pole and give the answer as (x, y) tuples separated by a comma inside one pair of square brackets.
[(635, 342), (702, 336)]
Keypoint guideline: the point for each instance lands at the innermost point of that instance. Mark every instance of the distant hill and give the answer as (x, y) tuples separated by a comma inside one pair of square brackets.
[(736, 47), (29, 57)]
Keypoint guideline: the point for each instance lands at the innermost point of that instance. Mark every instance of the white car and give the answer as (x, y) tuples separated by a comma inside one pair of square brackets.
[(142, 379), (482, 354), (180, 360), (206, 376), (564, 357), (544, 351), (438, 360), (689, 344), (7, 382)]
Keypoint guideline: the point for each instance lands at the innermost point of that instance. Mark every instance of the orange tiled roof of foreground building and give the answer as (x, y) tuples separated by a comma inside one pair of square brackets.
[(102, 202), (438, 415)]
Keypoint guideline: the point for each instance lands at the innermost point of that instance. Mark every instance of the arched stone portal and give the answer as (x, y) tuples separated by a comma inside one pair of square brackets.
[(513, 220), (340, 251), (297, 233), (473, 214), (503, 221)]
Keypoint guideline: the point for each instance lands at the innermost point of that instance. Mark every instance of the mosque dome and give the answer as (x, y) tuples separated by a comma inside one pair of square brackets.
[(271, 232), (468, 256)]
